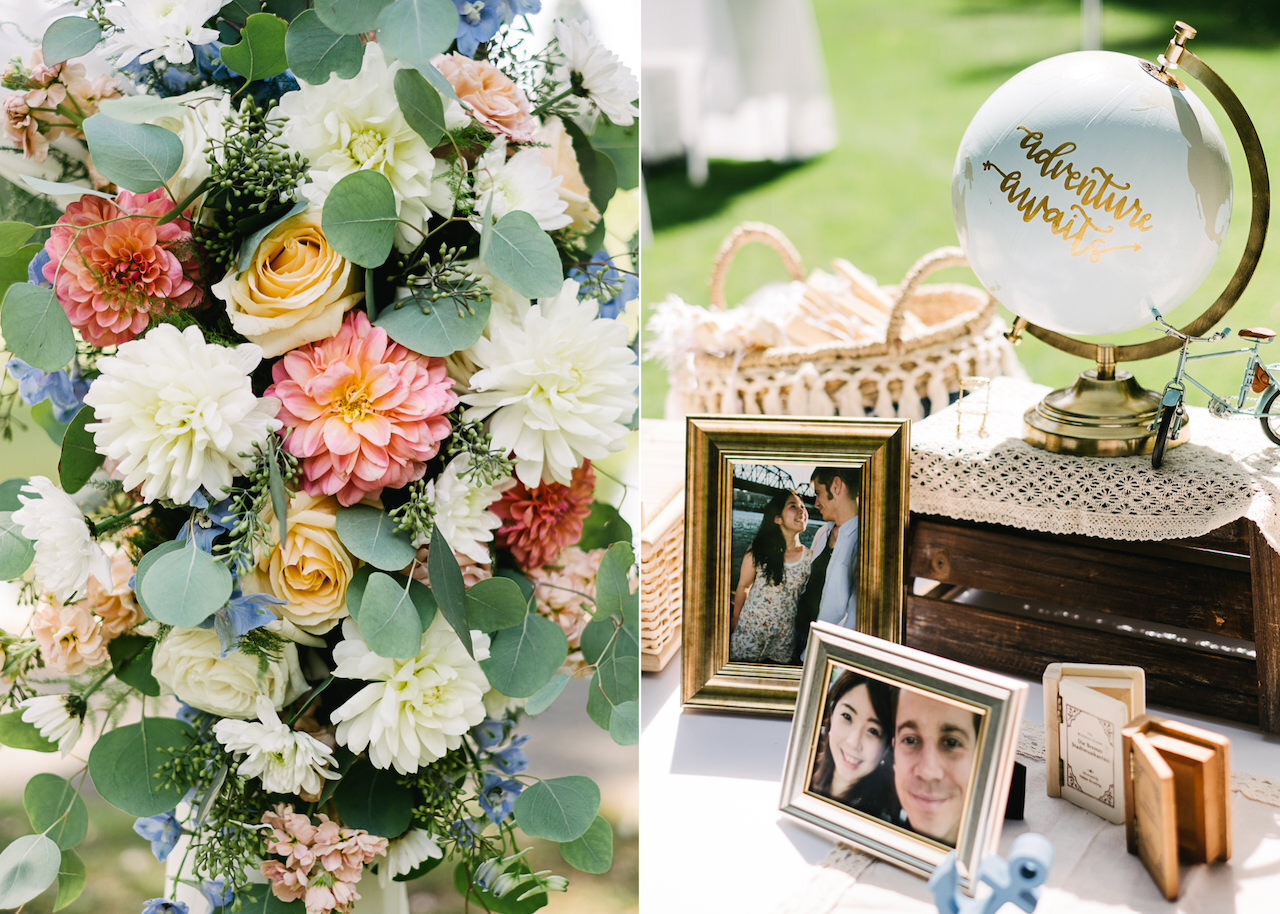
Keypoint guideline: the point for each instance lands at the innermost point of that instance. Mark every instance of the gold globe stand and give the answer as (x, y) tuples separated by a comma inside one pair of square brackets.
[(1107, 413)]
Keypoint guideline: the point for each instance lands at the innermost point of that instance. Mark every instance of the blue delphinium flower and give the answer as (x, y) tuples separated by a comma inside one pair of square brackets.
[(242, 614), (164, 906), (511, 758), (465, 831), (601, 274), (64, 390), (217, 893), (162, 831), (35, 269), (478, 21), (498, 797), (513, 8)]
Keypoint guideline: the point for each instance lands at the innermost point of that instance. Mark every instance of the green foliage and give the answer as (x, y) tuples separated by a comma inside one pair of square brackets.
[(260, 53), (545, 697), (494, 604), (511, 903), (28, 866), (16, 551), (70, 36), (80, 458), (350, 17), (125, 763), (374, 799), (137, 157), (316, 52), (265, 486), (525, 657), (416, 517), (35, 327), (624, 723), (388, 618), (16, 732), (488, 465), (622, 146), (593, 851), (613, 586), (180, 584), (603, 527), (372, 536), (414, 31), (558, 809), (421, 105), (131, 662), (522, 255), (359, 218), (445, 311), (259, 899), (449, 589), (55, 809), (13, 236), (71, 880)]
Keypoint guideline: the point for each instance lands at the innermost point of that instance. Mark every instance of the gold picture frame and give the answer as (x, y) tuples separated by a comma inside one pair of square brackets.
[(876, 449), (908, 807)]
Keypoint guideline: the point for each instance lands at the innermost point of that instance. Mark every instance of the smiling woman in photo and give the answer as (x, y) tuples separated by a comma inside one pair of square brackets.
[(852, 763)]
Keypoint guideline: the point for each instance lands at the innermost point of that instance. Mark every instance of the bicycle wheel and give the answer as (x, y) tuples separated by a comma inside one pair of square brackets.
[(1270, 423), (1162, 435)]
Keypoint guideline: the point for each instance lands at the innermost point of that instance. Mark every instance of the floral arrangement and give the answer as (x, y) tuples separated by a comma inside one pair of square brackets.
[(328, 328)]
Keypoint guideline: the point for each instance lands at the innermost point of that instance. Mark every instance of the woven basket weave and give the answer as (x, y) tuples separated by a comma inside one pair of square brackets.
[(936, 334)]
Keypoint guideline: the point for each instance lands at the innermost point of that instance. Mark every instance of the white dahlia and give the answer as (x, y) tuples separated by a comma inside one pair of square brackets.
[(284, 759), (408, 852), (411, 712), (462, 512), (54, 717), (604, 80), (521, 182), (150, 29), (558, 386), (175, 413), (347, 125), (66, 555)]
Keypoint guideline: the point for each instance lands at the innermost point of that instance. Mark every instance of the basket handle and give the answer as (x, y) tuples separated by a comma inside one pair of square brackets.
[(939, 259), (751, 231)]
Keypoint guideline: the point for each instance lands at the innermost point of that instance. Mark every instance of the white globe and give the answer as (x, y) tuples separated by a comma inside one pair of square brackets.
[(1087, 191)]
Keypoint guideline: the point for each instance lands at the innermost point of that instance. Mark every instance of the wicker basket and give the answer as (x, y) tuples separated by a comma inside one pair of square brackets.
[(934, 335)]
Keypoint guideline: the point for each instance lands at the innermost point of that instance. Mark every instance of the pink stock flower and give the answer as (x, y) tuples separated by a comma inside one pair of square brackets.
[(365, 412), (341, 852), (113, 266), (537, 523), (70, 637)]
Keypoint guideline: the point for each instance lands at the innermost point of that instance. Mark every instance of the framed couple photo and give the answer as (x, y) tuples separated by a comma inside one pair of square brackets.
[(901, 753), (788, 521)]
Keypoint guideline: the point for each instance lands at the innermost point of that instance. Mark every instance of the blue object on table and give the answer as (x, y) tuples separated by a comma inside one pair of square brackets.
[(1013, 881)]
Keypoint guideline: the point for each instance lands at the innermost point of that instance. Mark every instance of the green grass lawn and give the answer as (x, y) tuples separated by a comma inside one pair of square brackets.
[(906, 79)]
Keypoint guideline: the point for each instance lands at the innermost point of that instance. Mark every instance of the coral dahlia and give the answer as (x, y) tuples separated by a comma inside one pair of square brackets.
[(537, 523), (113, 266), (365, 412)]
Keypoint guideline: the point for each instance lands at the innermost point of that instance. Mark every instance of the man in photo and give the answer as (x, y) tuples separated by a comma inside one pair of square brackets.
[(934, 743), (832, 591)]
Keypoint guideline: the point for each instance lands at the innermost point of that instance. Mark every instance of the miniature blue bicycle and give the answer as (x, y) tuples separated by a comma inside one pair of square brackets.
[(1260, 379)]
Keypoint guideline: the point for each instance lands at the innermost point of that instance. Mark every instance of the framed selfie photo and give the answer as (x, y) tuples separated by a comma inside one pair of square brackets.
[(901, 753), (787, 521)]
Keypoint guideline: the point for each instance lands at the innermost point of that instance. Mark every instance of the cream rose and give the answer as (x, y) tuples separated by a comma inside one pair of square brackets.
[(558, 155), (186, 663), (295, 291), (310, 570)]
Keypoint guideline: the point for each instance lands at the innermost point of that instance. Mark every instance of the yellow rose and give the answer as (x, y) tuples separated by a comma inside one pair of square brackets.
[(186, 663), (310, 570), (295, 291), (558, 155)]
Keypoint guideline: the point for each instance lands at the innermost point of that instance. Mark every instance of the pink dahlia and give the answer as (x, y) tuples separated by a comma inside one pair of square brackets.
[(113, 266), (537, 523), (365, 412)]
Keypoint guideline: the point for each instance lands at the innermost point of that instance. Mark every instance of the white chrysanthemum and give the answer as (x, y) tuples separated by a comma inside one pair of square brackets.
[(462, 512), (175, 413), (284, 759), (411, 712), (346, 125), (557, 387), (53, 717), (605, 80), (151, 29), (66, 554), (521, 182)]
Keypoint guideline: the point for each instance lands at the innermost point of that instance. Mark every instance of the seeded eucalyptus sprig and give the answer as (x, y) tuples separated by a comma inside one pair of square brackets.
[(446, 280), (487, 465), (417, 516), (274, 468)]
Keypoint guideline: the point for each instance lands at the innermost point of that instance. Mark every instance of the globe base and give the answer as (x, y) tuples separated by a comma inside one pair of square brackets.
[(1095, 417)]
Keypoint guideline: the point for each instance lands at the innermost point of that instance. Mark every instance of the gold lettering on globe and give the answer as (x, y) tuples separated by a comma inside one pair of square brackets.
[(1087, 223)]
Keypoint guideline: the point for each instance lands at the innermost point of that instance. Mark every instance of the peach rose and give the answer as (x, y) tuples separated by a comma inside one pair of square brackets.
[(558, 155), (492, 96), (295, 291), (310, 570)]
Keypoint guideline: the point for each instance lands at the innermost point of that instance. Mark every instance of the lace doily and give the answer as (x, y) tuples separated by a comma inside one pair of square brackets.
[(1225, 470)]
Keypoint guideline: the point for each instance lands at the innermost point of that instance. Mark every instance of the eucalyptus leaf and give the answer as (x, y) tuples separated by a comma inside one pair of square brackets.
[(141, 109), (593, 852), (424, 601), (316, 52), (603, 527), (279, 499), (131, 662), (373, 799), (371, 536), (42, 415), (414, 31), (522, 255), (260, 53), (13, 267), (622, 145), (28, 866), (598, 170), (258, 898), (71, 880), (389, 621), (439, 82), (618, 678), (9, 490), (613, 585), (350, 17), (421, 105), (137, 157), (249, 247), (449, 589), (624, 723), (355, 590), (524, 658), (494, 604), (211, 794), (558, 809), (16, 732), (35, 328), (79, 459), (182, 586), (124, 761), (13, 235), (62, 189), (55, 808), (16, 551), (70, 36), (546, 696), (438, 328), (359, 219)]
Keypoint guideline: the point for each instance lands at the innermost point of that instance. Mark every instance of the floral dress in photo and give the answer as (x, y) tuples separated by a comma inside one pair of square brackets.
[(766, 626)]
